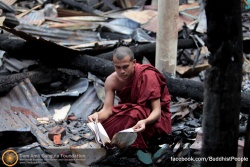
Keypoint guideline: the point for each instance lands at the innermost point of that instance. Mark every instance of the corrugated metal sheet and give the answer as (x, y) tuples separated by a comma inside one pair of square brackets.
[(60, 36), (86, 103), (19, 110), (6, 7), (81, 106), (76, 87), (31, 38), (1, 57), (16, 65), (33, 18), (22, 105)]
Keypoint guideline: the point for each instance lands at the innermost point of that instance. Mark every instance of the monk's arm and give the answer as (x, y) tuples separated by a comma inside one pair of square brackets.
[(106, 111), (154, 116), (156, 111)]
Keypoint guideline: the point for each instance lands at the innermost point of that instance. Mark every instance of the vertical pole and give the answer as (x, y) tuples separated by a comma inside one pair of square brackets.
[(154, 2), (167, 35), (222, 86)]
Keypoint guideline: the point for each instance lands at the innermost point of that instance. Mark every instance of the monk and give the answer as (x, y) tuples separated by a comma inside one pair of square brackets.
[(144, 99)]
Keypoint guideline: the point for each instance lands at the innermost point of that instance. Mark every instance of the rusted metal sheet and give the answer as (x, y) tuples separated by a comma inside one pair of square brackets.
[(151, 25), (140, 16), (19, 110), (70, 12), (188, 14)]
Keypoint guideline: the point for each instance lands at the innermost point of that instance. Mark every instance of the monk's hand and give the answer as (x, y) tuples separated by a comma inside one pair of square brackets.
[(140, 126), (93, 117)]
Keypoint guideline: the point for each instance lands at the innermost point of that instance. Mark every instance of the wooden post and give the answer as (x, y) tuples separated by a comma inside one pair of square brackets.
[(154, 2), (222, 87), (167, 35)]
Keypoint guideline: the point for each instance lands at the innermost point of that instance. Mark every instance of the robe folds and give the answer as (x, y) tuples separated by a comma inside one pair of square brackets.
[(134, 105)]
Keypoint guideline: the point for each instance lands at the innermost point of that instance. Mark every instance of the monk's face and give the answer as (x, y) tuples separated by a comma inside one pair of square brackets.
[(124, 68)]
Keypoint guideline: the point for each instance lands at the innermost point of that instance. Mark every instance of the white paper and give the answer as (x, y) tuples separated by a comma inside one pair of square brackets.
[(60, 114), (128, 130)]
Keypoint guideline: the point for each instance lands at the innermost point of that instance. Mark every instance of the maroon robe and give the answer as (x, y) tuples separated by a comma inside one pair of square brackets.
[(147, 83)]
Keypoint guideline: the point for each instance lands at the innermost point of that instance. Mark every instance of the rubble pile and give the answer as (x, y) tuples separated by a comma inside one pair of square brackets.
[(55, 56)]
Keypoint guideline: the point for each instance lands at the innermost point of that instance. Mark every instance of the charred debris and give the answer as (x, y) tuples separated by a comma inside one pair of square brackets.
[(55, 56)]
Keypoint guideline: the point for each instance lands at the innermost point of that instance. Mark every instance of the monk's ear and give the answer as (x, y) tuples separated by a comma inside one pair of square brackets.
[(134, 61)]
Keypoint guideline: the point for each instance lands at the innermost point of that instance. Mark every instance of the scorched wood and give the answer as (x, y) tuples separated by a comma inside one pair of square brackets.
[(222, 93), (95, 65), (55, 56), (36, 77), (187, 88), (148, 50)]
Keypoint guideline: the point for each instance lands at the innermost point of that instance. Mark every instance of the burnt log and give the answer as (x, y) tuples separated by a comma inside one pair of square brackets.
[(64, 57), (37, 78), (186, 88), (41, 49), (98, 66), (148, 50), (67, 58), (180, 87)]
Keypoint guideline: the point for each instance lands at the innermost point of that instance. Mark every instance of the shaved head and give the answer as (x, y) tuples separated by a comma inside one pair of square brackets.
[(122, 51)]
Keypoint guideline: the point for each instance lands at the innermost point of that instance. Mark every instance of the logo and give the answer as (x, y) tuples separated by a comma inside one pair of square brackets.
[(10, 158)]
